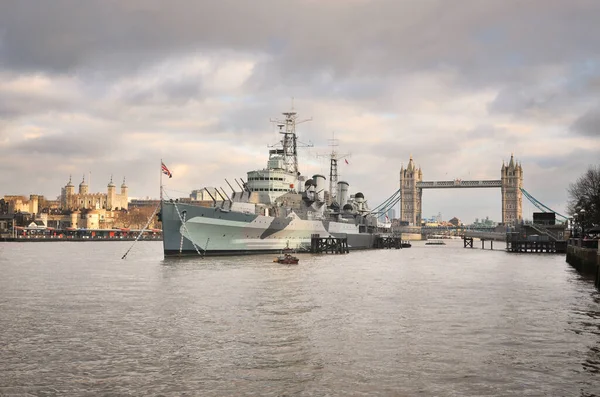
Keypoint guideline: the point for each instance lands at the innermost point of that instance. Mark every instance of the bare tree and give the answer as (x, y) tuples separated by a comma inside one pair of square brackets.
[(585, 194)]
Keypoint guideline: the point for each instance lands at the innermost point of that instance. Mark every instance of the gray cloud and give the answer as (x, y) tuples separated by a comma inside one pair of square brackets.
[(588, 124), (14, 105), (195, 83), (481, 40), (70, 145)]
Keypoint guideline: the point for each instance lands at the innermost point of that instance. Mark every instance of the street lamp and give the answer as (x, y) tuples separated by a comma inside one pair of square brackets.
[(570, 227), (582, 214), (575, 225)]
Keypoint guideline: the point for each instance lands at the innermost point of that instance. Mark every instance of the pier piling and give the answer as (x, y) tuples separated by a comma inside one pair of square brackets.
[(328, 245), (468, 242)]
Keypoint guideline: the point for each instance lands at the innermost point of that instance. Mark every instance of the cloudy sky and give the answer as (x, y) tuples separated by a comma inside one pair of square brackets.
[(111, 87)]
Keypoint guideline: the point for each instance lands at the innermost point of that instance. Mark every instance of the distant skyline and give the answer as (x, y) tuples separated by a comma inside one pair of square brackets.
[(111, 87)]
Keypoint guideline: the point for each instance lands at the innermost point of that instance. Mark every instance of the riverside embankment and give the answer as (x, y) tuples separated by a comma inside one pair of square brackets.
[(584, 256)]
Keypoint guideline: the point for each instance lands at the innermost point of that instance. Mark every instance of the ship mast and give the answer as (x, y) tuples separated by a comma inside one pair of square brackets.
[(290, 140), (333, 167)]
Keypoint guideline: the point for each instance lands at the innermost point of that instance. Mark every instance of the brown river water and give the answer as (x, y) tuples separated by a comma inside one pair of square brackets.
[(77, 320)]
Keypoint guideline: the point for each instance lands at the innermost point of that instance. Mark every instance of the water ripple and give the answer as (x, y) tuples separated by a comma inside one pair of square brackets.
[(75, 319)]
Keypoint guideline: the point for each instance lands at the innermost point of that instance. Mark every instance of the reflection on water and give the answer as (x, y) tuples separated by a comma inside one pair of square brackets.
[(76, 319)]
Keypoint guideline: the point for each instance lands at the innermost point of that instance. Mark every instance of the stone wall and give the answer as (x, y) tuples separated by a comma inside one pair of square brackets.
[(586, 261)]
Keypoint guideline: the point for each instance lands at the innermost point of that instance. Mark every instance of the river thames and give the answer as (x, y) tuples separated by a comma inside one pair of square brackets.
[(77, 320)]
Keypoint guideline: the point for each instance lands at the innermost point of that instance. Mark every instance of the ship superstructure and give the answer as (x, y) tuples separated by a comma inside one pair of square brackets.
[(281, 174), (277, 208)]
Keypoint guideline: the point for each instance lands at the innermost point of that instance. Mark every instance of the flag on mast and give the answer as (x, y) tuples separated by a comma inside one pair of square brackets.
[(165, 170), (346, 161)]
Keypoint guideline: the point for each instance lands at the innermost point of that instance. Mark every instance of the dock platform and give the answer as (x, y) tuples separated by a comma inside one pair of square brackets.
[(559, 247), (328, 245), (390, 242)]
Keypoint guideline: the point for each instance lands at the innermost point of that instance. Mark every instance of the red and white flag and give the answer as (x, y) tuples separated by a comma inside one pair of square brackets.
[(387, 219), (165, 170)]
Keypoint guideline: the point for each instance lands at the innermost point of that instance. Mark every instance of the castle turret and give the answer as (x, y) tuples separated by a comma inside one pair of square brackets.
[(111, 194), (69, 188), (66, 194), (411, 165), (83, 187), (124, 187), (124, 195)]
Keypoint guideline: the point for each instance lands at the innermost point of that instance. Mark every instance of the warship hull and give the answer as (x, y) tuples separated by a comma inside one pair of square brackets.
[(194, 230)]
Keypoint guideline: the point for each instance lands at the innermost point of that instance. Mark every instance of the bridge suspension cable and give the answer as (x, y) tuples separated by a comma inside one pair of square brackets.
[(389, 203), (386, 202), (385, 209), (539, 204)]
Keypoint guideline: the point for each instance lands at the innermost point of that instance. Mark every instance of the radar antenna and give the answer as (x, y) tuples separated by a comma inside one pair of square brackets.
[(290, 140)]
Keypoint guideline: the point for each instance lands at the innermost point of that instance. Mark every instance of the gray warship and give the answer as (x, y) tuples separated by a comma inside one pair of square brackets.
[(276, 208)]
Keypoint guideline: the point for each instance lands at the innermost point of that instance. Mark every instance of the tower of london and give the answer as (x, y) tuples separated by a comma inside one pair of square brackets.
[(111, 200)]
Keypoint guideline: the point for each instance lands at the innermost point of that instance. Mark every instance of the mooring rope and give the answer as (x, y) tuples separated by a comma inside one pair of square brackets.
[(182, 219), (142, 231)]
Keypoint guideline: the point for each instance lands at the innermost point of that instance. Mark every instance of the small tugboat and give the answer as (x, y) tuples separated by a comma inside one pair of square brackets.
[(287, 259)]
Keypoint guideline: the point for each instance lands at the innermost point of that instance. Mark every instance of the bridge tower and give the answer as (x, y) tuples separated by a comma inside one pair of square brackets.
[(512, 197), (410, 195)]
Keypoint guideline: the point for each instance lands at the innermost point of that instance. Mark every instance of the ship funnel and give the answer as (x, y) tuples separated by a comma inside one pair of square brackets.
[(359, 198), (309, 188), (320, 189), (342, 193)]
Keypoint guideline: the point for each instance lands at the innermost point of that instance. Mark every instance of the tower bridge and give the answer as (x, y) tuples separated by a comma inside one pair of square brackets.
[(510, 184)]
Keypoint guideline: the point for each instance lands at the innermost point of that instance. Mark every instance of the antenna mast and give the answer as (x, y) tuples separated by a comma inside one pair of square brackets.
[(290, 140), (333, 167)]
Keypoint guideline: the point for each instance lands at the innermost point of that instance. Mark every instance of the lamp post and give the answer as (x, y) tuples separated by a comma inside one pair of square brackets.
[(570, 227), (582, 216), (575, 225)]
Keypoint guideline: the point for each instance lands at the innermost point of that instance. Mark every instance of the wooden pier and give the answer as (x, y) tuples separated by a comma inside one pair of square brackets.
[(328, 245), (536, 246), (390, 242), (468, 242)]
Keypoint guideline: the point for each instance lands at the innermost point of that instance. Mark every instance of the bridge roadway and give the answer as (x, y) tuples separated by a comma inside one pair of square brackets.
[(486, 233), (458, 183)]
